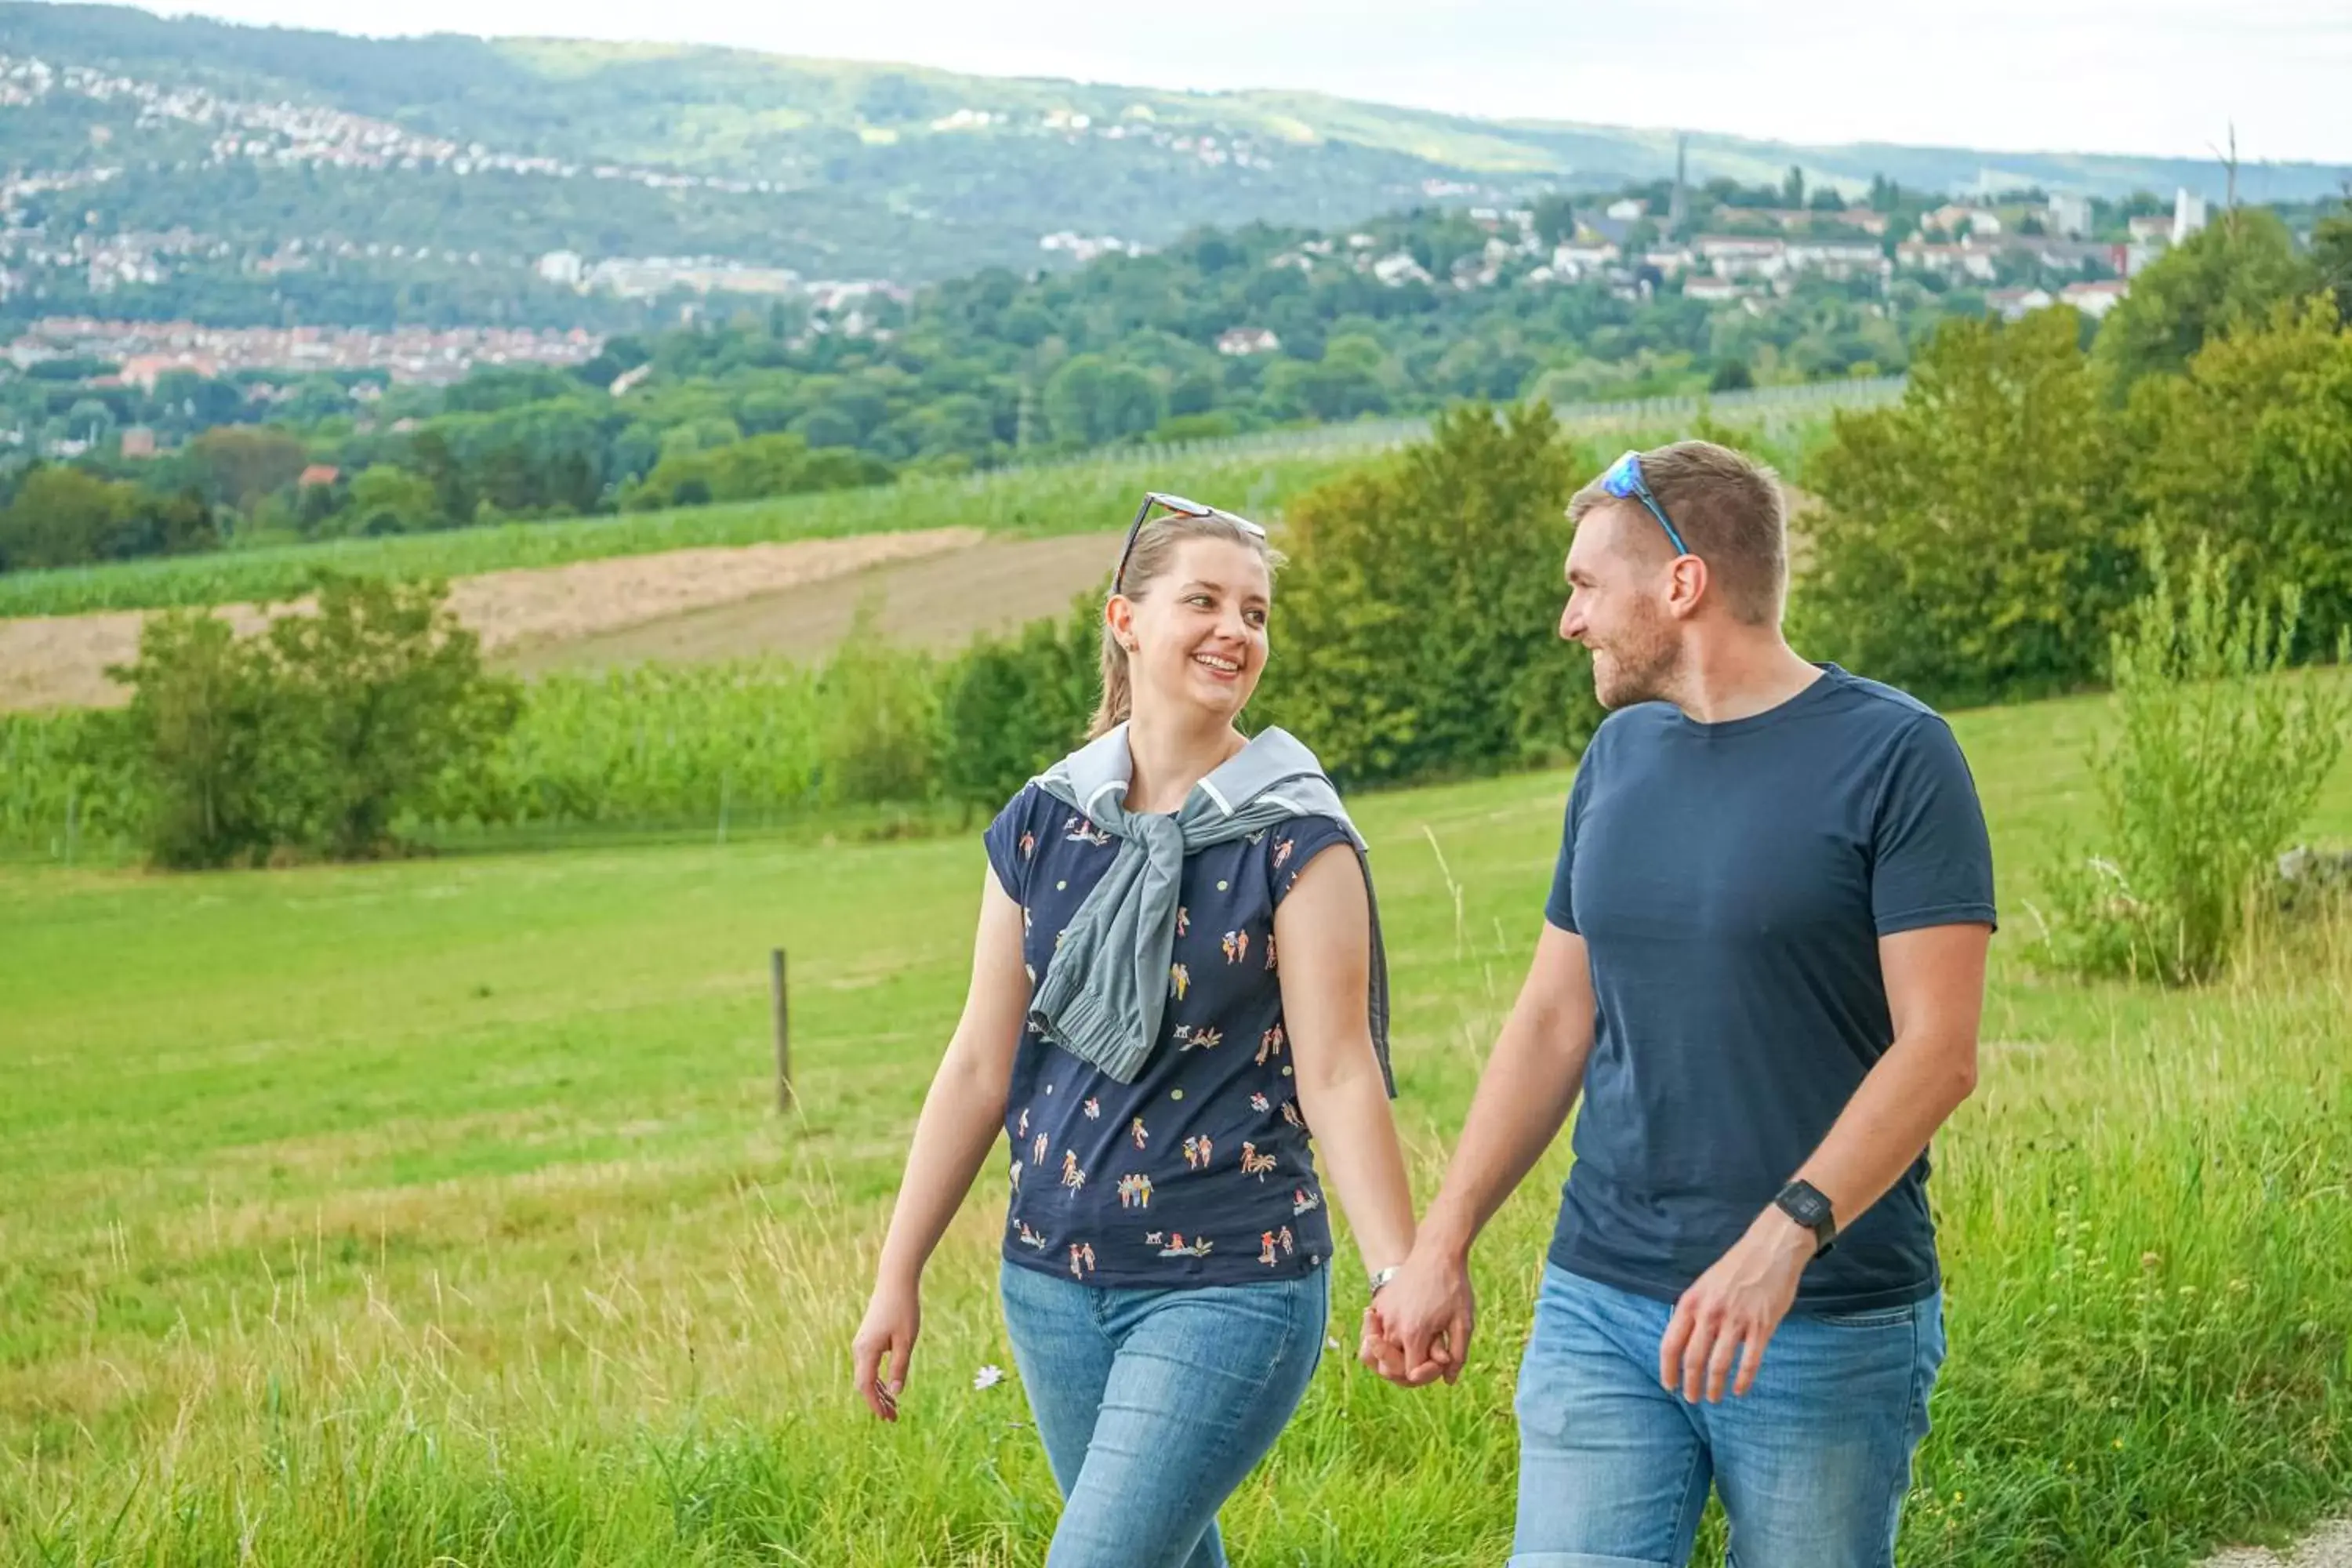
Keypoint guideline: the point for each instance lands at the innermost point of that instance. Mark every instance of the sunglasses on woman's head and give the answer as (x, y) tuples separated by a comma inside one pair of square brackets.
[(1174, 506)]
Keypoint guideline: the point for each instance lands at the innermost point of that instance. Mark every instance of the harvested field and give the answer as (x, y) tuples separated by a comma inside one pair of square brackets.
[(61, 661), (937, 601)]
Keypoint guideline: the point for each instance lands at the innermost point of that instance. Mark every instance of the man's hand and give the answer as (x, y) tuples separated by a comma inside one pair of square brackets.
[(1418, 1327), (1734, 1308)]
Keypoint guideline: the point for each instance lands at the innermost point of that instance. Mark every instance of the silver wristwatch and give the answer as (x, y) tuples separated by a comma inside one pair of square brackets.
[(1380, 1277)]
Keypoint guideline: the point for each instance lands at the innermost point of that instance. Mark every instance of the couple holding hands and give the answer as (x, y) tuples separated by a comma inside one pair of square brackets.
[(1761, 966)]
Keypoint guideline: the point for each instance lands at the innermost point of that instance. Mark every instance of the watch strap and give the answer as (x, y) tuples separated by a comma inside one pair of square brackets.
[(1809, 1207)]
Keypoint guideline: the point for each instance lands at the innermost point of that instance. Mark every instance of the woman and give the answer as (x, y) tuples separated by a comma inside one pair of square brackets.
[(1171, 983)]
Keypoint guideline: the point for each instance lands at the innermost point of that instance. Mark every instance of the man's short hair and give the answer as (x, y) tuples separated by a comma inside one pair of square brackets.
[(1729, 511)]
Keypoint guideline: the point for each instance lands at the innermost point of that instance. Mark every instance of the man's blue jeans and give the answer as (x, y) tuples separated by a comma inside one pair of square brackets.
[(1812, 1462)]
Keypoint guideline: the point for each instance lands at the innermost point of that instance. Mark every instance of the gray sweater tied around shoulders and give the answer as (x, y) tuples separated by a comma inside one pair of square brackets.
[(1106, 992)]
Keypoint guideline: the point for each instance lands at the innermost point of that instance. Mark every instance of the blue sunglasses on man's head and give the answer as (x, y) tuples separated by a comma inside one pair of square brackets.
[(1624, 481)]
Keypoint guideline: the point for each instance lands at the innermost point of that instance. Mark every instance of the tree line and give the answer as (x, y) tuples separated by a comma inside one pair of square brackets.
[(978, 371)]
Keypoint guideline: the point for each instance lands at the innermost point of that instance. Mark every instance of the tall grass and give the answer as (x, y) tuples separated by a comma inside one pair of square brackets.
[(432, 1212), (60, 795), (728, 747), (735, 742)]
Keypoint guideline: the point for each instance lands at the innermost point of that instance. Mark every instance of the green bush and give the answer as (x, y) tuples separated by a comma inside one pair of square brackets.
[(64, 517), (1415, 631), (1014, 705), (2251, 450), (198, 739), (2214, 764), (753, 470), (1972, 546), (879, 731), (2227, 277), (312, 737)]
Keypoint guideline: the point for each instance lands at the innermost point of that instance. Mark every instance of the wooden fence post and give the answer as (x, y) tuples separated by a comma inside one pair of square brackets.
[(782, 998)]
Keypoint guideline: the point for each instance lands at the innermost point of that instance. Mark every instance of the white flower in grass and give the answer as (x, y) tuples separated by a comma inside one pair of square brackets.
[(987, 1378)]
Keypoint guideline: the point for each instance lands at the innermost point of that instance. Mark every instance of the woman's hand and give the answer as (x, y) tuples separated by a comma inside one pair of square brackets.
[(893, 1318), (1418, 1327), (963, 1115)]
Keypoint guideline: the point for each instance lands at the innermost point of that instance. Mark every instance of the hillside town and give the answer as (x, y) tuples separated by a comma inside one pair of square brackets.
[(145, 352)]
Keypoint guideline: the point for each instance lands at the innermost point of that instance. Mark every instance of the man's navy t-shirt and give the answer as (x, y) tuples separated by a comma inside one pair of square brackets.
[(1731, 882)]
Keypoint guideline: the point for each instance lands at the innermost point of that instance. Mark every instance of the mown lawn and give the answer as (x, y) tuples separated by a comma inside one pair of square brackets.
[(437, 1212)]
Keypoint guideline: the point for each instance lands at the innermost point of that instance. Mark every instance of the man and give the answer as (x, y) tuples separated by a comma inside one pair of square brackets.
[(1763, 964)]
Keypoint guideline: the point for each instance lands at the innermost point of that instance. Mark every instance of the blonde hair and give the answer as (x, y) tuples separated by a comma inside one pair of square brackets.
[(1154, 552), (1729, 509)]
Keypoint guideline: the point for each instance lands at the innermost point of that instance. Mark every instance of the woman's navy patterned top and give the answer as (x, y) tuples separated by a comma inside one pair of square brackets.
[(1199, 1172)]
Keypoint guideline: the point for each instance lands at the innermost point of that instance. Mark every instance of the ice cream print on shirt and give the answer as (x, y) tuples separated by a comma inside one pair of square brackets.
[(1202, 1170)]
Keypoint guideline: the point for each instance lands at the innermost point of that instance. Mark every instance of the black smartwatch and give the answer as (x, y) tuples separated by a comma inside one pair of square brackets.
[(1805, 1203)]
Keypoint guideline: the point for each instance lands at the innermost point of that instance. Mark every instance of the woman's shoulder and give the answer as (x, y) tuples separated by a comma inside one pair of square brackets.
[(1294, 844), (1013, 836), (1025, 801)]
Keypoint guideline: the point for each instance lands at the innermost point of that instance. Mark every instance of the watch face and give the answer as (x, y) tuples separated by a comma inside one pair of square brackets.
[(1807, 1208)]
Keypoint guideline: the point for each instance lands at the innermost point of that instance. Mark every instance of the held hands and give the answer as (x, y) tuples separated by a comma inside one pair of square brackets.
[(1417, 1327), (1735, 1307), (893, 1318)]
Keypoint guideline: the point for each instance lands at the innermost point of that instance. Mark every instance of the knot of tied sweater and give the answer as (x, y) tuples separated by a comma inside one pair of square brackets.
[(1106, 992)]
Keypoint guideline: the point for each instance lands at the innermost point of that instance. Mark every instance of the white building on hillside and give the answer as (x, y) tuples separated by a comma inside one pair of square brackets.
[(2015, 304), (1736, 255), (2187, 214), (1400, 269), (1578, 258), (2094, 298), (1836, 257), (2069, 215)]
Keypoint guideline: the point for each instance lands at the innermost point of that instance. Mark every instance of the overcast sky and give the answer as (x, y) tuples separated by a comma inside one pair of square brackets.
[(2151, 75)]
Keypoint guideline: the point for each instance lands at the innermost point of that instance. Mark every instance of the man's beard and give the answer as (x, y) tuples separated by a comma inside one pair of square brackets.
[(1639, 665)]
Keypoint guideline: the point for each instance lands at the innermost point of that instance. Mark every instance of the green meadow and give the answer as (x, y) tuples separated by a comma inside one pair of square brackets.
[(439, 1213)]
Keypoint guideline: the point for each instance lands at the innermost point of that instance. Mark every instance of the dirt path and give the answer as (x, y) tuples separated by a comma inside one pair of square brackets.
[(2330, 1546), (61, 661), (938, 602)]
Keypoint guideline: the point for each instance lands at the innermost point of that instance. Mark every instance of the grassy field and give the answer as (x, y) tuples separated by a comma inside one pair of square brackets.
[(435, 1213)]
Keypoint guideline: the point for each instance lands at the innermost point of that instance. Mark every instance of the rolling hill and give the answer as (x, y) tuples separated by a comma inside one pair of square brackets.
[(509, 148)]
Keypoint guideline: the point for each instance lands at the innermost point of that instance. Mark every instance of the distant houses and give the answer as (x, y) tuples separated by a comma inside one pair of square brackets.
[(1240, 341), (2092, 298)]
